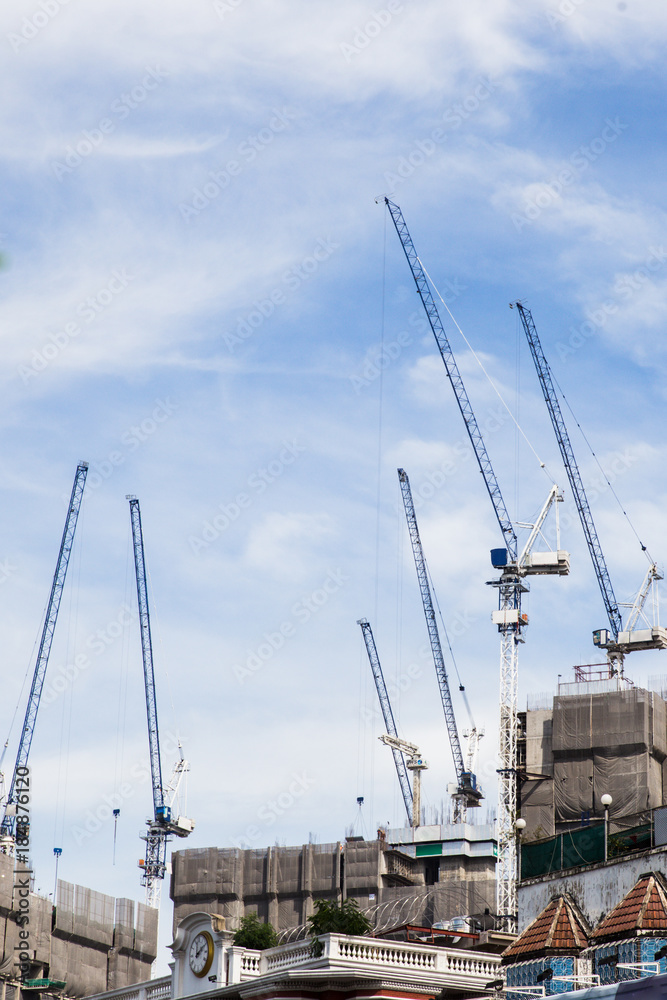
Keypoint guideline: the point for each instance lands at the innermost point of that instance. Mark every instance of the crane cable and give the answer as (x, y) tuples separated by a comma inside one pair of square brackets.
[(462, 688), (604, 474), (488, 377)]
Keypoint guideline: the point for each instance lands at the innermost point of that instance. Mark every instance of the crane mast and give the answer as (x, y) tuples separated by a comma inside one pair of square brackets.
[(467, 794), (9, 822), (618, 640), (161, 826), (509, 617), (388, 716)]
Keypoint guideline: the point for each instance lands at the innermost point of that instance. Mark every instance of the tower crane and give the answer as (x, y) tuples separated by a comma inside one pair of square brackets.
[(11, 823), (616, 640), (166, 820), (467, 793), (416, 764), (390, 725), (509, 617)]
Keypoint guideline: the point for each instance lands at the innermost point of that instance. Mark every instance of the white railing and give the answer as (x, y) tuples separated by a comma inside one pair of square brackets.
[(153, 989), (374, 952), (250, 964), (287, 955), (159, 989), (340, 950)]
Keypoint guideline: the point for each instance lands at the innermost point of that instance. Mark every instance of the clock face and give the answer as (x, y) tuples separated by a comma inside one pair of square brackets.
[(200, 955)]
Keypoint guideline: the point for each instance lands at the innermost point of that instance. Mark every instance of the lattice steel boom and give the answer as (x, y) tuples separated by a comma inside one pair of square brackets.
[(156, 840), (163, 824), (9, 822), (572, 469), (431, 624), (472, 427), (387, 714)]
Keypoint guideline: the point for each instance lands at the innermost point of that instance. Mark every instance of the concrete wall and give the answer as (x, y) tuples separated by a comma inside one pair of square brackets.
[(596, 890)]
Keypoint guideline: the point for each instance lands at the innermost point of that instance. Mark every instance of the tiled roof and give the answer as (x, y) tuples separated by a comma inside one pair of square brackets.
[(643, 909), (560, 928)]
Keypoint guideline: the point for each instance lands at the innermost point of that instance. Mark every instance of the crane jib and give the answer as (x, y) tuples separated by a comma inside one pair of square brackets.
[(472, 427), (387, 714), (432, 627), (572, 469), (9, 822)]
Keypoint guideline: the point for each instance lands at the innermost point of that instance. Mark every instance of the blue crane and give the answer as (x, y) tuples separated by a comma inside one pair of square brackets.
[(387, 713), (620, 642), (467, 793), (465, 406), (11, 821), (163, 824), (509, 618)]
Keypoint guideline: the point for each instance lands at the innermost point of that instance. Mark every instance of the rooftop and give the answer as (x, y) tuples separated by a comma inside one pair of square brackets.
[(642, 909), (559, 928)]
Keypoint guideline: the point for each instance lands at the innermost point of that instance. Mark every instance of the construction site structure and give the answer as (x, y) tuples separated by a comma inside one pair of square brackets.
[(409, 875), (13, 822), (416, 764), (467, 794), (88, 943), (599, 736), (390, 724), (513, 567), (165, 821), (617, 640)]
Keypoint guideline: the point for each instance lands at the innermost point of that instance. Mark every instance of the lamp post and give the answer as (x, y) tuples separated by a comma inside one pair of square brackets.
[(606, 801), (57, 851), (519, 826)]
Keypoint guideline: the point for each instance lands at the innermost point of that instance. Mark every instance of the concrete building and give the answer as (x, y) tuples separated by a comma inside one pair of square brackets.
[(88, 943), (420, 875), (598, 736)]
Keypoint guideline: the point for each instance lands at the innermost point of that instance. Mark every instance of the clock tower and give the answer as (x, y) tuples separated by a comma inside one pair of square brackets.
[(199, 954)]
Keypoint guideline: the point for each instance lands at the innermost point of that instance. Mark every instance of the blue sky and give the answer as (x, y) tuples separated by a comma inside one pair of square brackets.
[(198, 284)]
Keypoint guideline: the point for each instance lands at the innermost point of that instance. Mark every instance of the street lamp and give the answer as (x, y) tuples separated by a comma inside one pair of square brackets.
[(606, 801), (520, 826)]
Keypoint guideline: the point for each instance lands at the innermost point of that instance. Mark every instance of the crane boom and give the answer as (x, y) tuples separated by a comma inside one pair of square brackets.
[(572, 469), (163, 824), (387, 714), (9, 822), (467, 793), (147, 656), (472, 427)]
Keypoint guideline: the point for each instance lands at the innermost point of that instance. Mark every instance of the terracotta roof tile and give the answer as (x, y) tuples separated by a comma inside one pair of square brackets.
[(559, 928), (642, 909)]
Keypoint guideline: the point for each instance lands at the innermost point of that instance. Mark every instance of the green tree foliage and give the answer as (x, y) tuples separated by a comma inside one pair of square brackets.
[(330, 918), (254, 934)]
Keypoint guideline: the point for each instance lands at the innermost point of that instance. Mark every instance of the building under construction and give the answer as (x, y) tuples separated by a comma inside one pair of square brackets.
[(598, 737), (87, 944), (415, 875)]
